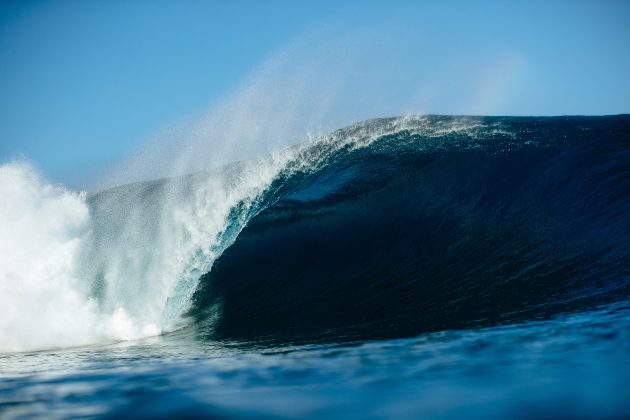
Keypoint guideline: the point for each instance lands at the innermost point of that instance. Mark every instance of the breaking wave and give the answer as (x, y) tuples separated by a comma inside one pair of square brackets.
[(390, 227)]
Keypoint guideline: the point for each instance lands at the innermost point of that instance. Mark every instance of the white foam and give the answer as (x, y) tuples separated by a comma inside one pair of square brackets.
[(43, 304)]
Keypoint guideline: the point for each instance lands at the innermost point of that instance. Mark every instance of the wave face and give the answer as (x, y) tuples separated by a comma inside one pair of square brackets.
[(445, 223), (390, 227)]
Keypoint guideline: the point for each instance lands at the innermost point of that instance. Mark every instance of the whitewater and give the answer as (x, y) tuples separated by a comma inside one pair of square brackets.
[(123, 264)]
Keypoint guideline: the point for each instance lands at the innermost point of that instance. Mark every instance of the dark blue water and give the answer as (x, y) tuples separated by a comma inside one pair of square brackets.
[(477, 273), (572, 366)]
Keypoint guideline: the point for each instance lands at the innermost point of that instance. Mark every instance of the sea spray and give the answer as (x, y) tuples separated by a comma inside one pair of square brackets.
[(153, 241)]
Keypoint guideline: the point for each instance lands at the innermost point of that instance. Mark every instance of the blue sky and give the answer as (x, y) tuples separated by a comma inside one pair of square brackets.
[(85, 83)]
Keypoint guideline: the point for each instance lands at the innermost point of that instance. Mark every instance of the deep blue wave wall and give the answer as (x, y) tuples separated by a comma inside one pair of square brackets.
[(415, 233)]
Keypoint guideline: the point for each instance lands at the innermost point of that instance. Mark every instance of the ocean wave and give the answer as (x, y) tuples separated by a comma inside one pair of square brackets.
[(389, 227)]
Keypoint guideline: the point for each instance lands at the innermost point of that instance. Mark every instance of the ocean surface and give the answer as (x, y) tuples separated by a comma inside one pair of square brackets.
[(413, 267)]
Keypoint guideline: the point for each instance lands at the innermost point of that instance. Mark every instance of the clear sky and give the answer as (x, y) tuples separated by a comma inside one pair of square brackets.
[(84, 83)]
